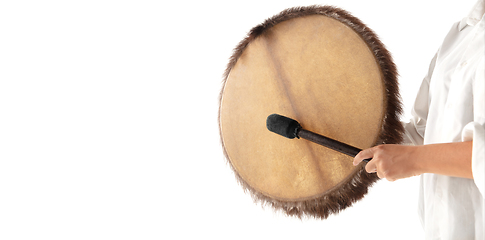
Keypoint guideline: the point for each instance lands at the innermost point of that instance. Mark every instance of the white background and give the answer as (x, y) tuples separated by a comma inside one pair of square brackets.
[(108, 120)]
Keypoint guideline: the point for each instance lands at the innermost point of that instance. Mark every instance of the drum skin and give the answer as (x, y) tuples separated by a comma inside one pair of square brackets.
[(315, 65)]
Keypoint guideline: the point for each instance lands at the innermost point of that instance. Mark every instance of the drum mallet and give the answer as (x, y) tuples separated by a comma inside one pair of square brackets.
[(290, 128)]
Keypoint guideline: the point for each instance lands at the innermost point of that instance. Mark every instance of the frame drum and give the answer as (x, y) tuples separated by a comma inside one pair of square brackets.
[(326, 69)]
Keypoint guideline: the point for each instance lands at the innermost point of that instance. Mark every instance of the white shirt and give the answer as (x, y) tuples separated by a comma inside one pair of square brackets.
[(450, 107)]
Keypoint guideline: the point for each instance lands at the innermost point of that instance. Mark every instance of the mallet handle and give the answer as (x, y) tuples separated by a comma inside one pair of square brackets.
[(330, 143)]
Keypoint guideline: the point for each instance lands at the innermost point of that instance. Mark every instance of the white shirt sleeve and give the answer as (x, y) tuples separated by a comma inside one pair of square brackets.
[(475, 131), (415, 128)]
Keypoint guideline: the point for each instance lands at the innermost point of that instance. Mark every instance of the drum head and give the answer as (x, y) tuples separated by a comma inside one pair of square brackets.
[(318, 66)]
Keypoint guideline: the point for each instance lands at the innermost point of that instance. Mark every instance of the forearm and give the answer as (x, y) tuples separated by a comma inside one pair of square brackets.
[(450, 159), (400, 161)]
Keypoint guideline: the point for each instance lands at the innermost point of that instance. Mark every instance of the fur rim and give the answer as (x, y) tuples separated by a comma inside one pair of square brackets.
[(355, 187)]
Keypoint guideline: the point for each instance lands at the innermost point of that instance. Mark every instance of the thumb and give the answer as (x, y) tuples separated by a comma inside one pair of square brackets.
[(364, 154)]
